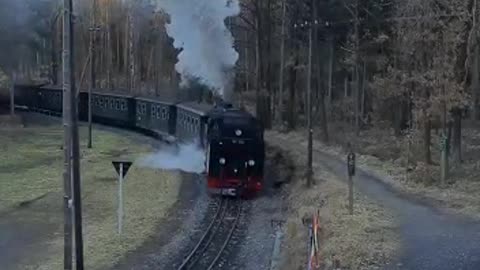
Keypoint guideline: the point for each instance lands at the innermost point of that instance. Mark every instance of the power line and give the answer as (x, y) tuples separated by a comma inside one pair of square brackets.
[(329, 23)]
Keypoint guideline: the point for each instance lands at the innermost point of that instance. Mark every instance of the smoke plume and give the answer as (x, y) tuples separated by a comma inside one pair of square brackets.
[(199, 31), (187, 158)]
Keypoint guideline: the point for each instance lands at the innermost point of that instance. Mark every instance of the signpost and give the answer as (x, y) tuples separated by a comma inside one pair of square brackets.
[(122, 168), (351, 173)]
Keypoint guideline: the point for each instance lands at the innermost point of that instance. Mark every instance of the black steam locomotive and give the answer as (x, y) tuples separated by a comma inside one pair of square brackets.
[(232, 138)]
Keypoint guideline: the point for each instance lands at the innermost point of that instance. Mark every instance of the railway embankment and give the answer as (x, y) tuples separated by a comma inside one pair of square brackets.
[(368, 239)]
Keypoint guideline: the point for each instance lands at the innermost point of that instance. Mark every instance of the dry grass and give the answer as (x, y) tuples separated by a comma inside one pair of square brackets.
[(31, 166), (365, 240), (385, 155)]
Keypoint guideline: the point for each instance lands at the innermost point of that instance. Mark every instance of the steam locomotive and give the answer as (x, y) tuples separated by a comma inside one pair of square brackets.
[(232, 138)]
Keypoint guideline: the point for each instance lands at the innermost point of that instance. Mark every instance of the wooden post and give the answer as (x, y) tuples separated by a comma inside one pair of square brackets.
[(350, 194), (351, 174), (443, 162), (67, 92)]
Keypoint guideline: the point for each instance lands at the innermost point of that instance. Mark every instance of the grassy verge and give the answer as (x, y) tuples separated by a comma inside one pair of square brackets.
[(382, 154), (365, 240), (31, 167)]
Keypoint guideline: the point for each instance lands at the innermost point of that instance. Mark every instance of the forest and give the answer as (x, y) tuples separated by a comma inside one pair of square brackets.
[(397, 78)]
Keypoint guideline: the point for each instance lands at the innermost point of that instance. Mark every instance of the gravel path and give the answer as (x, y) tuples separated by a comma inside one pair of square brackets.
[(433, 240)]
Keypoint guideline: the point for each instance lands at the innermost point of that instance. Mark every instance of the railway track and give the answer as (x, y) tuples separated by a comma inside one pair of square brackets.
[(209, 249)]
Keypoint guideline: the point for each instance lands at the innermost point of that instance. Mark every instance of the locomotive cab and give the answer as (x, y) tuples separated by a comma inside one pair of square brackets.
[(235, 153)]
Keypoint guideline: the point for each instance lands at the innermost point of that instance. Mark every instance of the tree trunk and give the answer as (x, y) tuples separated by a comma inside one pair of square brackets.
[(427, 138), (268, 60), (109, 47), (475, 83), (397, 118), (282, 63), (320, 87), (126, 53), (330, 74), (53, 54), (457, 136), (131, 52), (292, 123), (363, 94)]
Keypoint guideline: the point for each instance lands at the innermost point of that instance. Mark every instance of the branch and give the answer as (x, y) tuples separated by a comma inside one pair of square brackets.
[(245, 20)]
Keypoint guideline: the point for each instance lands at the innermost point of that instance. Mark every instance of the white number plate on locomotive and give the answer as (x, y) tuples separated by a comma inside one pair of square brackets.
[(229, 191)]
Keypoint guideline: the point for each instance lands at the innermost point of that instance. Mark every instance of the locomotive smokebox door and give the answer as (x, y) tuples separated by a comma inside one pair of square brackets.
[(351, 163)]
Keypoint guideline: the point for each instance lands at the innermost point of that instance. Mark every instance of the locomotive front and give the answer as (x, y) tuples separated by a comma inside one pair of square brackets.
[(235, 153)]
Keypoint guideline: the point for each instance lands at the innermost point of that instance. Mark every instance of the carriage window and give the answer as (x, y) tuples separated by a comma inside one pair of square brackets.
[(158, 111), (123, 105), (117, 104), (142, 108), (164, 113), (110, 102), (152, 110), (100, 103)]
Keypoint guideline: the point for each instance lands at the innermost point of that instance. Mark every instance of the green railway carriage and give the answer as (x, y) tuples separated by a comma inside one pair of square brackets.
[(191, 124), (155, 115)]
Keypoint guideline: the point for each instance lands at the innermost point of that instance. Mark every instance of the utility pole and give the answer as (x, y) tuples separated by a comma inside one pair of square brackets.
[(282, 63), (357, 73), (93, 31), (72, 149), (309, 102), (67, 92)]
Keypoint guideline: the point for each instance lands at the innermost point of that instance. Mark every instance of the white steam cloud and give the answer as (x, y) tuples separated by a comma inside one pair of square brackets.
[(198, 28), (187, 158)]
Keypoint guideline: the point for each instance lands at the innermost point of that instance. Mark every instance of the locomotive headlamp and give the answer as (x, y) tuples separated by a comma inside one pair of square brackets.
[(251, 162), (222, 161), (238, 132)]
